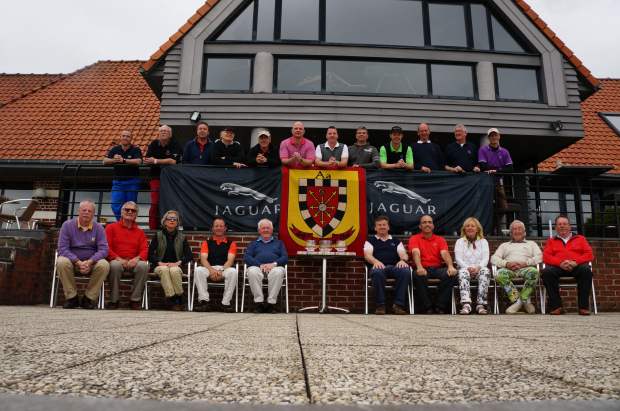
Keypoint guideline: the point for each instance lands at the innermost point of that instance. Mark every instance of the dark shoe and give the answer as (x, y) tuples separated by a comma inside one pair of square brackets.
[(380, 310), (398, 310), (557, 311), (259, 308), (226, 308), (111, 305), (135, 305), (72, 303), (177, 307), (268, 308), (202, 307), (87, 303), (583, 311)]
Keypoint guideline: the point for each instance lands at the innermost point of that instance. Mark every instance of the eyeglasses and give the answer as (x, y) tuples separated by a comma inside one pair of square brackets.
[(171, 219), (130, 210)]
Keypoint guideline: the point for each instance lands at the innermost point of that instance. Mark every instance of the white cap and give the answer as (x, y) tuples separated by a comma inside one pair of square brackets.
[(492, 130), (263, 132)]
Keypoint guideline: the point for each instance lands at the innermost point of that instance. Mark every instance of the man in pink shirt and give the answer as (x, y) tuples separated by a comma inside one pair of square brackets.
[(297, 151)]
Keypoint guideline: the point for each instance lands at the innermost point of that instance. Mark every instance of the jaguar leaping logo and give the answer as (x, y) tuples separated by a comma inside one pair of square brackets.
[(237, 190), (389, 187)]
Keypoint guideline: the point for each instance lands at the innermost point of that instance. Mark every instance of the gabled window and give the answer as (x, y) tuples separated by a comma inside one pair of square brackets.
[(398, 23), (517, 83), (612, 120)]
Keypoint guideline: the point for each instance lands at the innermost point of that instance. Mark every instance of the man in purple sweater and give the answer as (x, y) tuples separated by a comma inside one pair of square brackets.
[(82, 247), (266, 255)]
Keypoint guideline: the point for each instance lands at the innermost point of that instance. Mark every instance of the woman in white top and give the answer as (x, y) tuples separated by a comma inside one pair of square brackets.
[(472, 257)]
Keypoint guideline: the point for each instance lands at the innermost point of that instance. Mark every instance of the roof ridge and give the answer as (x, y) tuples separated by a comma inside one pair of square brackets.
[(63, 77)]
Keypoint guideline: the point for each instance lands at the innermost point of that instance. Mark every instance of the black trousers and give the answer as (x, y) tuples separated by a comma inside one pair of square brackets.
[(446, 283), (551, 278)]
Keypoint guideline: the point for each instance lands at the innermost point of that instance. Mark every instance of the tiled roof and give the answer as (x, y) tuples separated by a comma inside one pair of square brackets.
[(79, 116), (14, 86), (600, 144), (535, 18)]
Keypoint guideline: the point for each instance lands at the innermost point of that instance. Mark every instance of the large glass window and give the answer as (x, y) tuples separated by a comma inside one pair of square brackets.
[(502, 39), (447, 24), (517, 84), (449, 80), (299, 75), (376, 77), (264, 24), (300, 20), (479, 27), (228, 74), (394, 22), (241, 28)]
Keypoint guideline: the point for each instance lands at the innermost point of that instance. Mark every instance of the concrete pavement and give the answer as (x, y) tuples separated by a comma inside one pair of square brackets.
[(308, 359)]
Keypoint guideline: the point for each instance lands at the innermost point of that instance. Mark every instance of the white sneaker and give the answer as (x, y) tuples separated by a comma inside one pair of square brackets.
[(514, 308), (466, 309), (529, 308), (481, 309)]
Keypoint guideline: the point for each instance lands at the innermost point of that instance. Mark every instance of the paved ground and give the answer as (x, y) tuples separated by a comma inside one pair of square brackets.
[(307, 359)]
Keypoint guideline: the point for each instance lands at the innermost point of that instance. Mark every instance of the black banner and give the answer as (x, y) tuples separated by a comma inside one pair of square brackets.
[(404, 197), (241, 196), (244, 196)]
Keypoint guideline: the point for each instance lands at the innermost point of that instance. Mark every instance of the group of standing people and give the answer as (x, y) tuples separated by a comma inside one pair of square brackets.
[(565, 255), (297, 151)]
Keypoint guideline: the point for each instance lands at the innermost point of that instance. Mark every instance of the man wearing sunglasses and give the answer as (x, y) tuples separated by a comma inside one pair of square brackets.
[(128, 253)]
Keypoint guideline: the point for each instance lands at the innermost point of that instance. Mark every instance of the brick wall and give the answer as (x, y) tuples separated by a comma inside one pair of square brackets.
[(346, 277)]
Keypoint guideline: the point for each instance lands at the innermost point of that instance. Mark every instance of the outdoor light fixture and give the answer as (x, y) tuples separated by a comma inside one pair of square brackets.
[(557, 125), (195, 117)]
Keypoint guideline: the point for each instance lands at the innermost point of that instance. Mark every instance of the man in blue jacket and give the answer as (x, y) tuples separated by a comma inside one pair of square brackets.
[(196, 151), (266, 255)]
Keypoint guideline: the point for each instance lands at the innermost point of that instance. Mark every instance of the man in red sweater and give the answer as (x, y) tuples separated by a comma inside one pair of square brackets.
[(128, 253), (567, 255)]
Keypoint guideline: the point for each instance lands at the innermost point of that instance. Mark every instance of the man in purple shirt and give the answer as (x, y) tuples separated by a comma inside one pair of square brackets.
[(82, 247), (297, 151), (493, 158)]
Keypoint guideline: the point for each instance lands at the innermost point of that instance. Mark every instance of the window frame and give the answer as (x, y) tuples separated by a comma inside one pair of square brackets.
[(604, 114), (539, 85), (491, 10), (205, 68), (324, 59)]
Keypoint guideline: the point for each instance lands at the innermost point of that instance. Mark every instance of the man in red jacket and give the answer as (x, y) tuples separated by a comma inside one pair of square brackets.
[(567, 255), (128, 253)]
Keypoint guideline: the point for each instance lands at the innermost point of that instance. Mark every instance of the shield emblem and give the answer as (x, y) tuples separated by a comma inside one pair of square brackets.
[(322, 203)]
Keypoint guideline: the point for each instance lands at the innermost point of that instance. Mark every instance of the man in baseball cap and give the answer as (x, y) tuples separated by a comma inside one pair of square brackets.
[(263, 154)]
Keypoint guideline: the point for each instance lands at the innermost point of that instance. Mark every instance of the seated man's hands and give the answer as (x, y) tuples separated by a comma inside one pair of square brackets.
[(215, 275), (402, 264), (452, 271), (133, 262), (266, 268), (421, 271), (378, 265)]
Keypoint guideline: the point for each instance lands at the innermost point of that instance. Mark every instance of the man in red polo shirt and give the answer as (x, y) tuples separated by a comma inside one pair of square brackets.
[(432, 260), (128, 253), (567, 255), (297, 151)]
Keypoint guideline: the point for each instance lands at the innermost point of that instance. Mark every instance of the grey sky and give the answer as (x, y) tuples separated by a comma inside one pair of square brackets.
[(52, 36)]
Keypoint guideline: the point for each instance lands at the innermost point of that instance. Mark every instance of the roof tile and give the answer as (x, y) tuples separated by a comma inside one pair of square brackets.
[(14, 86)]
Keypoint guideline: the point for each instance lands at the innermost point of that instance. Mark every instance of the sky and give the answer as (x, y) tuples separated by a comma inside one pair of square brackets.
[(61, 36)]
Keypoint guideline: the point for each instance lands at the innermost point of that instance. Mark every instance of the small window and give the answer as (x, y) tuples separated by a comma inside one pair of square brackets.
[(228, 74), (612, 120), (447, 25), (502, 39), (479, 27), (299, 75), (389, 22), (517, 84), (264, 24), (450, 80), (300, 20), (369, 77), (240, 29)]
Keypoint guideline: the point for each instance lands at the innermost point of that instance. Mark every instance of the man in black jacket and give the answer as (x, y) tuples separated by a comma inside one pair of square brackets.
[(264, 154), (227, 151)]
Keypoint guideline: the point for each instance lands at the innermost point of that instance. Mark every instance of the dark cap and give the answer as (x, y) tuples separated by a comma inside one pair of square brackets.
[(229, 129), (396, 129)]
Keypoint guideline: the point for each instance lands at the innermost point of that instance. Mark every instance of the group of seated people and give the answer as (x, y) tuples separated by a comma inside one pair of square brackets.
[(297, 151), (85, 247), (565, 255)]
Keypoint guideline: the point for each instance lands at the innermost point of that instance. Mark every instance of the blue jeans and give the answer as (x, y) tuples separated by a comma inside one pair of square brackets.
[(123, 191), (402, 276)]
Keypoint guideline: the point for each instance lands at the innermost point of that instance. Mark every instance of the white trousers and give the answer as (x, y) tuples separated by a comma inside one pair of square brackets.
[(230, 283), (274, 283)]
